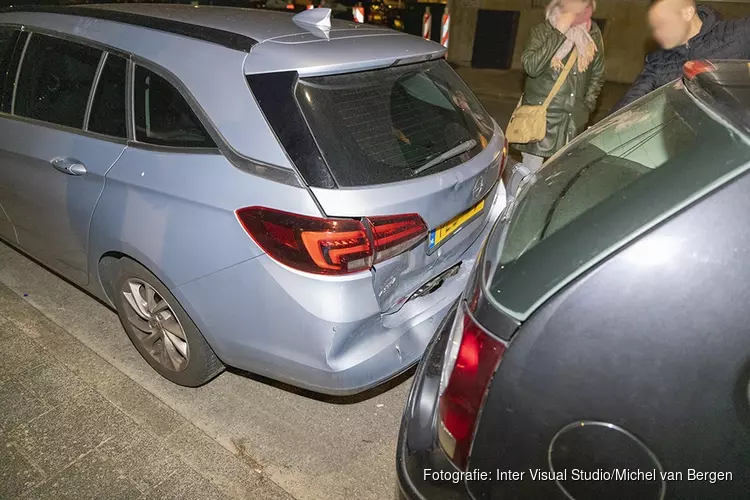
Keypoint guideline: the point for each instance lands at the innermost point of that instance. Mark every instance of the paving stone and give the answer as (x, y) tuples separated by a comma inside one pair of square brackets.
[(183, 485), (140, 456), (230, 475), (136, 402), (52, 383), (17, 474), (18, 354), (13, 307), (18, 406), (90, 478), (65, 433), (7, 329)]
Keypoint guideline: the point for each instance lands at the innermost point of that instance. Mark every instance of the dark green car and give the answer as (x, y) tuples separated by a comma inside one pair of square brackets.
[(602, 349)]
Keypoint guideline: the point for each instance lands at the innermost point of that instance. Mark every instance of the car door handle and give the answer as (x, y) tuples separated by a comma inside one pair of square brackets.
[(69, 166)]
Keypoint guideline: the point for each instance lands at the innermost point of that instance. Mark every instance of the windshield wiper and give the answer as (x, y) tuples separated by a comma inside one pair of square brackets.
[(451, 153)]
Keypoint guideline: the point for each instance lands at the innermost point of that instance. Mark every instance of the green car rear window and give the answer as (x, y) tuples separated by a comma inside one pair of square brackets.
[(617, 178)]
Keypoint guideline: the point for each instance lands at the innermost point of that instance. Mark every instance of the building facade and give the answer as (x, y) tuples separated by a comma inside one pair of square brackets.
[(491, 33)]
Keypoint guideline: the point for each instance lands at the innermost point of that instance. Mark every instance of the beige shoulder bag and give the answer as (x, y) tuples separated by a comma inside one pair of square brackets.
[(529, 123)]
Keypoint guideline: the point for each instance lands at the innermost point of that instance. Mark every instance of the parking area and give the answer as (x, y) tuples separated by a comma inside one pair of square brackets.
[(84, 413)]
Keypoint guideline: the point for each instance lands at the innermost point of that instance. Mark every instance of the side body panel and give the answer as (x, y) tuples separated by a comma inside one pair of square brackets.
[(7, 230), (174, 212)]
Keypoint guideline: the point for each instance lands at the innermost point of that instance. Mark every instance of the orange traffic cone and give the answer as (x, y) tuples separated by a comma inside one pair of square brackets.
[(290, 5), (427, 25), (445, 28), (310, 5)]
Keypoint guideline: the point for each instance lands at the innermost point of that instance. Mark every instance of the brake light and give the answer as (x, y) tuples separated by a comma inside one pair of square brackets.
[(330, 246), (396, 234), (472, 357), (691, 69)]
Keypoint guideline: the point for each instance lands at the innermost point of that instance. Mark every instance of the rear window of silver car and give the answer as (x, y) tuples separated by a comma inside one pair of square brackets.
[(390, 125)]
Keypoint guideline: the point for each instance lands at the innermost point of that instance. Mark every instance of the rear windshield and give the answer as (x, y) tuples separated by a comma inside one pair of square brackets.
[(666, 128), (393, 124)]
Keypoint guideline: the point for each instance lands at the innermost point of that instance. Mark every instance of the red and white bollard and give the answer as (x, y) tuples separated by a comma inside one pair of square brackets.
[(358, 11), (445, 28), (427, 25)]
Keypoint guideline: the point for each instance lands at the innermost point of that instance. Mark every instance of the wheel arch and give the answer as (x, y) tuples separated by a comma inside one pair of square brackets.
[(107, 264)]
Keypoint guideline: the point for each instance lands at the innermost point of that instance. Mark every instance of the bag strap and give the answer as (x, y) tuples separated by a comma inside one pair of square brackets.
[(561, 79)]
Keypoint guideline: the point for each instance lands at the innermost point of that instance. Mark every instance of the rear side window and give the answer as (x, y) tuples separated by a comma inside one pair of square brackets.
[(55, 81), (393, 124), (108, 111), (8, 40), (163, 117)]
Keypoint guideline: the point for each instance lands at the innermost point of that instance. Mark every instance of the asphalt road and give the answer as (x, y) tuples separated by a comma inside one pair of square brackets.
[(312, 447)]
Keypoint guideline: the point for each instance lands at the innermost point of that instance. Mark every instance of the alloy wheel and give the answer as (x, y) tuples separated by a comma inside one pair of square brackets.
[(156, 326)]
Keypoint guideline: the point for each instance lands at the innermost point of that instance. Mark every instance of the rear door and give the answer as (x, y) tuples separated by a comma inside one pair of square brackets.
[(59, 138), (403, 140), (10, 39)]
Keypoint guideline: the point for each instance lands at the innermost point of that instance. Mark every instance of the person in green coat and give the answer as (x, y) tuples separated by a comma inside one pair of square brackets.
[(568, 25)]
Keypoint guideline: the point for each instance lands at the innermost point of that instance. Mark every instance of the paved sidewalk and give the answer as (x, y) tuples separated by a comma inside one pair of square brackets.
[(312, 447), (73, 426)]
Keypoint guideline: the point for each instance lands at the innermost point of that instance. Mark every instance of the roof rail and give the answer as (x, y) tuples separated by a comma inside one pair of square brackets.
[(212, 35)]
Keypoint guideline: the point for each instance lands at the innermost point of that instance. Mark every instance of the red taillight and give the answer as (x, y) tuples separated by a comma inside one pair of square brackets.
[(394, 234), (691, 69), (471, 360), (330, 246)]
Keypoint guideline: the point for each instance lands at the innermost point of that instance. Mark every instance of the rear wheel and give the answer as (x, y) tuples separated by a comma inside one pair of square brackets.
[(160, 329)]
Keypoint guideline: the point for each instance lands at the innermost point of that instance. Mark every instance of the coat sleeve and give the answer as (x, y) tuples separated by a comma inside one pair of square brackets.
[(596, 78), (645, 83), (542, 44)]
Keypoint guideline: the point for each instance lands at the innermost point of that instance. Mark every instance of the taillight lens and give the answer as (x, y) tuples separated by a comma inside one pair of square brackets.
[(330, 246), (472, 357), (691, 69), (396, 234)]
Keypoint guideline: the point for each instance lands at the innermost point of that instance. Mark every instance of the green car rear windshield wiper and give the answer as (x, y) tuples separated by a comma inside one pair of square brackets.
[(454, 151)]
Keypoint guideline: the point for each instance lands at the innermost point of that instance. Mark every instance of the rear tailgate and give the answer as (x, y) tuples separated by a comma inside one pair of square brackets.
[(406, 140), (454, 205)]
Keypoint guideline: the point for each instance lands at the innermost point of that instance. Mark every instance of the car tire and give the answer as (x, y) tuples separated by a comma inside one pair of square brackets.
[(159, 327)]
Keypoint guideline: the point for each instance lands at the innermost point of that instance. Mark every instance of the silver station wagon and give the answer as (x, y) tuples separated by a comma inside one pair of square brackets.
[(293, 196)]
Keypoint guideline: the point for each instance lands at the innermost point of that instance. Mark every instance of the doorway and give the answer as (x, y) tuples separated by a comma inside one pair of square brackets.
[(495, 38)]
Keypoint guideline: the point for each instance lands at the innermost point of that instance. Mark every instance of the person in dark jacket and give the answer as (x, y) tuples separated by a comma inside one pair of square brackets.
[(568, 25), (686, 32)]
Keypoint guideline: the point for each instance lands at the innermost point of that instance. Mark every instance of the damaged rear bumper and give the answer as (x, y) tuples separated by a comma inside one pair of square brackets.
[(329, 336)]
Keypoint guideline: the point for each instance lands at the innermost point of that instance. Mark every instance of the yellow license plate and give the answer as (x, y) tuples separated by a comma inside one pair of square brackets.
[(439, 234)]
